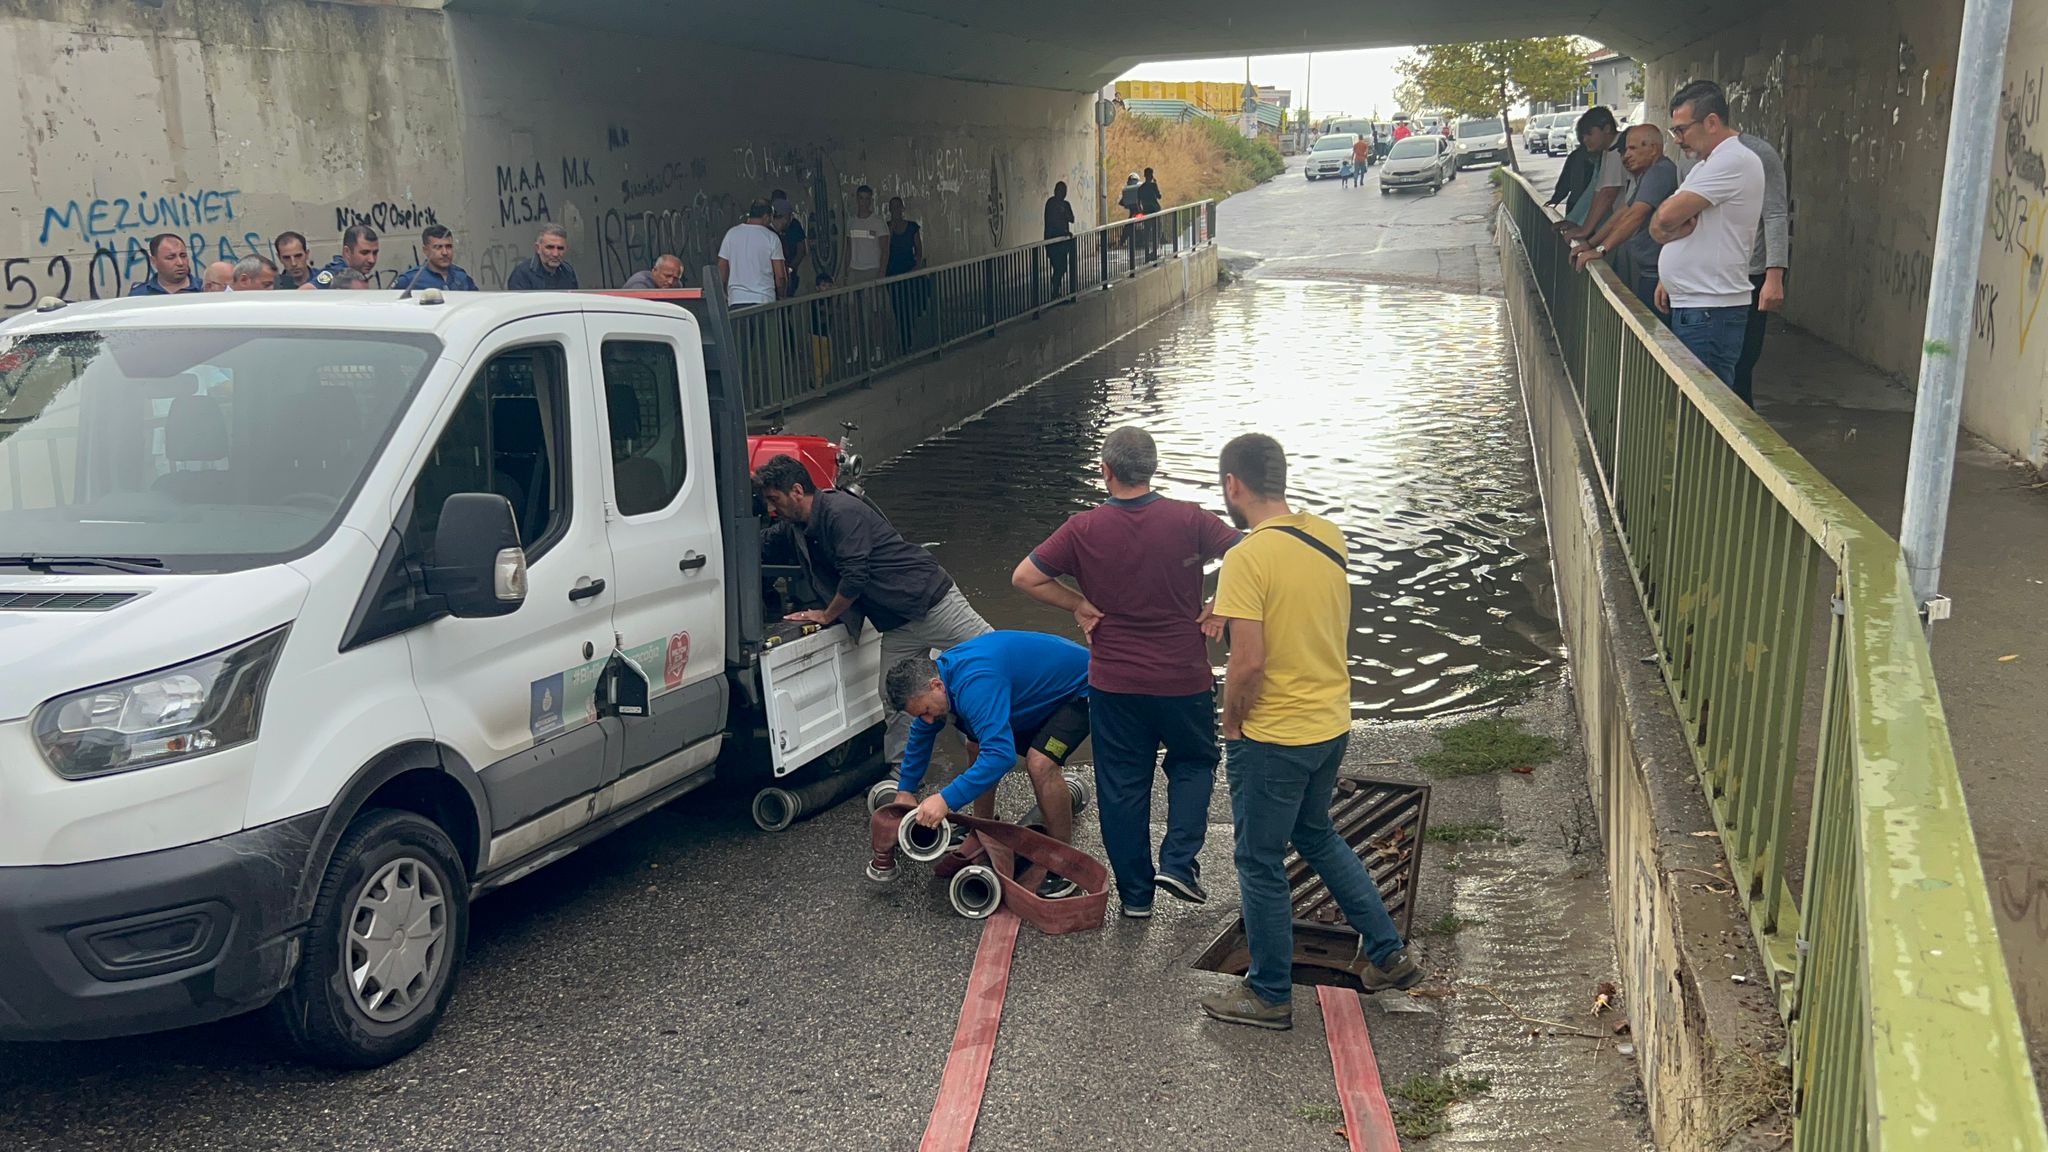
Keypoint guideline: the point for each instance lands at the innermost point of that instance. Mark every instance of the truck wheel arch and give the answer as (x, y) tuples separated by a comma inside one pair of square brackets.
[(420, 777)]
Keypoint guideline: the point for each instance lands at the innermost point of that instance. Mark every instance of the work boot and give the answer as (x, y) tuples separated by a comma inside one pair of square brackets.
[(1398, 975), (1238, 1004)]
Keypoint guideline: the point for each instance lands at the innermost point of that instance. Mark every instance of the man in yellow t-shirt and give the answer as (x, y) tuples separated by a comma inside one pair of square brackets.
[(1286, 721)]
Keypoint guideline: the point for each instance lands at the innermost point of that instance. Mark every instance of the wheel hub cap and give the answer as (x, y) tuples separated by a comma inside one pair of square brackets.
[(397, 939)]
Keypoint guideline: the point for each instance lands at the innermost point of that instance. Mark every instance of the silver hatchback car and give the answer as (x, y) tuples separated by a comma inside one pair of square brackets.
[(1418, 162)]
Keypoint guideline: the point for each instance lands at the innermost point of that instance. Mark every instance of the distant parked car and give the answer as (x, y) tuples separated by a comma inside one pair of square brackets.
[(1328, 155), (1563, 135), (1418, 162), (1536, 137), (1482, 141)]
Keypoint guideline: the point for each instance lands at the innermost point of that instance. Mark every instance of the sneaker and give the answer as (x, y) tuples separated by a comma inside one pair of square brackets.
[(1137, 911), (1056, 888), (1240, 1005), (1182, 888), (1398, 975)]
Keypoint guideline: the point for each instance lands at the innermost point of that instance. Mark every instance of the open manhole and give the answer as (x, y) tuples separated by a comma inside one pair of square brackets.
[(1383, 822)]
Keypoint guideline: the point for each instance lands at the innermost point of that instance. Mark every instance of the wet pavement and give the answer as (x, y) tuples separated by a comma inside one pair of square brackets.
[(693, 983)]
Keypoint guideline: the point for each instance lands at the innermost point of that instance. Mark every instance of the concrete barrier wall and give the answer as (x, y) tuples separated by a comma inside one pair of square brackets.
[(1856, 97), (917, 402), (228, 121), (639, 148), (1702, 1040)]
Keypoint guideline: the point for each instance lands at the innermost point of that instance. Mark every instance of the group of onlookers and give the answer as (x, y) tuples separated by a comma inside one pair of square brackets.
[(355, 266), (1707, 252)]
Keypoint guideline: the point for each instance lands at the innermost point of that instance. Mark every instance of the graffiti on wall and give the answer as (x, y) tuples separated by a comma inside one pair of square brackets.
[(385, 216), (2013, 262)]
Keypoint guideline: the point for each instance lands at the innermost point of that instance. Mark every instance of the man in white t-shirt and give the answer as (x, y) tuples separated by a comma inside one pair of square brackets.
[(750, 259), (1708, 230), (867, 239)]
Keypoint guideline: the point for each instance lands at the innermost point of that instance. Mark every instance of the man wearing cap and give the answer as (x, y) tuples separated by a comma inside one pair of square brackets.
[(750, 259)]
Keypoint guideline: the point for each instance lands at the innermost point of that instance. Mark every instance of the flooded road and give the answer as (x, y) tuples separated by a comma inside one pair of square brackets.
[(1398, 409)]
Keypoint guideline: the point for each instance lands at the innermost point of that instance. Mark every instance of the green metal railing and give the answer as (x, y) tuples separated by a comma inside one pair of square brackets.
[(1885, 960)]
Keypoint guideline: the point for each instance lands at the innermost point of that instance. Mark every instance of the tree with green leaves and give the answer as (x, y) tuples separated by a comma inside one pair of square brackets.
[(1487, 77)]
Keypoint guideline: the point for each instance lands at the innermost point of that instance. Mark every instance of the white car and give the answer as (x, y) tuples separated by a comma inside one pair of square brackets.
[(1327, 155), (326, 613), (1481, 142)]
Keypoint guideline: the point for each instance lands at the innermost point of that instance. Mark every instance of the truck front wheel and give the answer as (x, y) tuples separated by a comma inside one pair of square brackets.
[(384, 945)]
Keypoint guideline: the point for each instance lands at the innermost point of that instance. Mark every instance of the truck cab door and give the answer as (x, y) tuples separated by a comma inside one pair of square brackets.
[(513, 694), (661, 520)]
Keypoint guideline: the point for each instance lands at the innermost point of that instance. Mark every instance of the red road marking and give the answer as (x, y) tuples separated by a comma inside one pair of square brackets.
[(1368, 1122), (974, 1043)]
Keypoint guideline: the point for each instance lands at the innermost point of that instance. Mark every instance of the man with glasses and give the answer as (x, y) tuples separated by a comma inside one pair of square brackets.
[(1708, 230)]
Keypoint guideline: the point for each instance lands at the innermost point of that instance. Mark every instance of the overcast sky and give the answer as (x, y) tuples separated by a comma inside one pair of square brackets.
[(1352, 82)]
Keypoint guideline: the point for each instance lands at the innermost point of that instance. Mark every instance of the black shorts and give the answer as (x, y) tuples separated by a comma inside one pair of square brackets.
[(1055, 738), (1061, 733)]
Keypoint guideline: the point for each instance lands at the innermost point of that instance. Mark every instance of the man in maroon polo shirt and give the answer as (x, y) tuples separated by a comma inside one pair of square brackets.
[(1137, 560)]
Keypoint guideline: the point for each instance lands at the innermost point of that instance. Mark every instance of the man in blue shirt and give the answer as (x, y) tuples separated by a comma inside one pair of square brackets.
[(1006, 692), (170, 264), (358, 255), (439, 269)]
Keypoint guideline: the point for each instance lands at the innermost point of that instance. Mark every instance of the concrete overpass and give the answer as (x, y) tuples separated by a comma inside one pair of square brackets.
[(1068, 44)]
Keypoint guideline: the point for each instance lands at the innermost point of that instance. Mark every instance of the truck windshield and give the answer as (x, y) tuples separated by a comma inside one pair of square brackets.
[(1471, 128), (202, 449)]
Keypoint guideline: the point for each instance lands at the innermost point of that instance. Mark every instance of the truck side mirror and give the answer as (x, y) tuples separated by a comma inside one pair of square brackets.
[(479, 568)]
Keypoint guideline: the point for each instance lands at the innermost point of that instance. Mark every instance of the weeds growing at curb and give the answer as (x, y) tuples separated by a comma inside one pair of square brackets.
[(1426, 1100), (1449, 924), (1484, 746)]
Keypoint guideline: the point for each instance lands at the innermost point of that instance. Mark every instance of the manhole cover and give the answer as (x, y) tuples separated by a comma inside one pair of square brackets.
[(1383, 822)]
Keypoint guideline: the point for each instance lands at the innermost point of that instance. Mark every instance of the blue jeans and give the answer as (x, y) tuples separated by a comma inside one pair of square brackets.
[(1128, 731), (1277, 795), (1714, 335)]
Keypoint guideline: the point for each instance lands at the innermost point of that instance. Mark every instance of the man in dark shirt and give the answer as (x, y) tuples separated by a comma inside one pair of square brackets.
[(782, 218), (294, 266), (1059, 225), (438, 269), (358, 254), (1137, 561), (1149, 205), (170, 268), (548, 269), (876, 575)]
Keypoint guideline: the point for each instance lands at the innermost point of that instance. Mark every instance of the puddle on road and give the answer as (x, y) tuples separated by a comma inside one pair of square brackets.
[(1398, 410)]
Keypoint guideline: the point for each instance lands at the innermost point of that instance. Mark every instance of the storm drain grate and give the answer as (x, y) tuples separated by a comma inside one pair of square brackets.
[(1383, 822)]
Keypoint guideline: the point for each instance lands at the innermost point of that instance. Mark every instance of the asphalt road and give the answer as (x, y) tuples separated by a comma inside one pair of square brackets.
[(694, 983)]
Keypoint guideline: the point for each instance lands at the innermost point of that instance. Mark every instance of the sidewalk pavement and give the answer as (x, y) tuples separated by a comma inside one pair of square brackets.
[(1855, 425)]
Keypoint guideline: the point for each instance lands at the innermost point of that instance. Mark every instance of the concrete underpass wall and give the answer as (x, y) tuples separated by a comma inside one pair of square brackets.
[(222, 121), (1698, 1035), (639, 147), (1855, 96), (231, 120)]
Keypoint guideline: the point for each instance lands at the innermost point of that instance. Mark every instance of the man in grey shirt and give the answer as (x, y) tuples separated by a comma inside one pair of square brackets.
[(1767, 262), (1625, 243)]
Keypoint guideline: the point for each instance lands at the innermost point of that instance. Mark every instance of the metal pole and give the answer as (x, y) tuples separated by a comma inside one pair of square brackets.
[(1308, 89), (1101, 165), (1958, 239)]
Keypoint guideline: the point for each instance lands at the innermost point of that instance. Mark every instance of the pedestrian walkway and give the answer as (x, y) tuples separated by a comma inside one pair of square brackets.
[(1855, 425)]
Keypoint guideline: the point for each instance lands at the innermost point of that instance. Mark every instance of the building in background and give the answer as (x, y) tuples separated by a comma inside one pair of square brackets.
[(1617, 80), (1192, 99)]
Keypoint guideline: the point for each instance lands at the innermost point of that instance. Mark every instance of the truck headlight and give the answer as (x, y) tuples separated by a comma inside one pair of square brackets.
[(200, 706)]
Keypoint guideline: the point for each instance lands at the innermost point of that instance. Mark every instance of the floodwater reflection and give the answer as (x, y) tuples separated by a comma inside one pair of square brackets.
[(1399, 413)]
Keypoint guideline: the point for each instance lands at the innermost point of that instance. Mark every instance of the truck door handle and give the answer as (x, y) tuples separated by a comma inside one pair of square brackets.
[(586, 591), (692, 563)]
